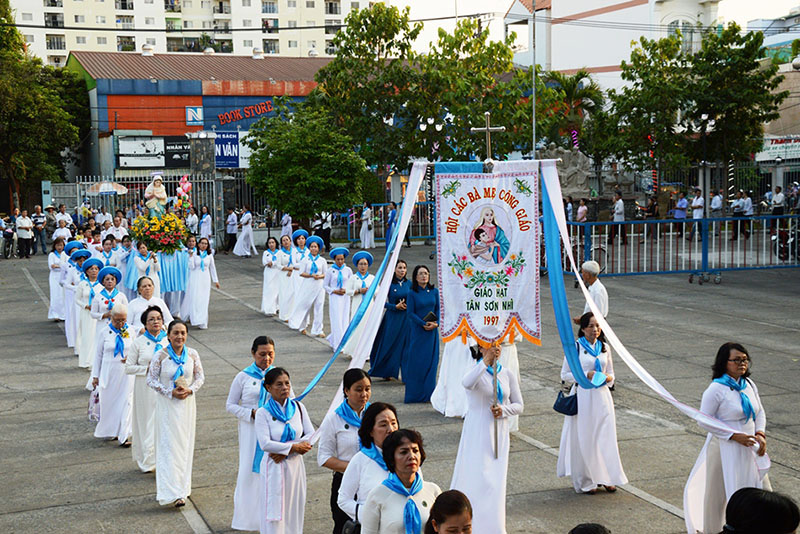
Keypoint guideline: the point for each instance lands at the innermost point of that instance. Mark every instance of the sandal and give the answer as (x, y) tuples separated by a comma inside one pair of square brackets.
[(126, 444), (590, 492), (179, 503), (610, 489)]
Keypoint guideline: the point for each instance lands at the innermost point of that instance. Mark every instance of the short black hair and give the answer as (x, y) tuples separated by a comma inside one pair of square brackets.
[(261, 340), (720, 366), (274, 374), (479, 232), (393, 441), (368, 421), (590, 528), (755, 511), (351, 376), (584, 322), (174, 323), (149, 309)]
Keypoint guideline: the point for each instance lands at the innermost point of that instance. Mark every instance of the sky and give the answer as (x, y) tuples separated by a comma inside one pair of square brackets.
[(743, 10)]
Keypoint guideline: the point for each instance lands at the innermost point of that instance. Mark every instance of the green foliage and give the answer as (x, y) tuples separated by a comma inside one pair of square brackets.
[(11, 40), (365, 88), (579, 96), (304, 163), (795, 48)]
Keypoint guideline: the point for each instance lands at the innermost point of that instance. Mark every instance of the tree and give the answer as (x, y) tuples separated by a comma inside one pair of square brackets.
[(10, 38), (579, 96), (304, 163), (367, 85), (732, 88)]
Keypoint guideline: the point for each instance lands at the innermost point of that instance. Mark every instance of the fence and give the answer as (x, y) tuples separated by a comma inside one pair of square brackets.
[(688, 245), (422, 225)]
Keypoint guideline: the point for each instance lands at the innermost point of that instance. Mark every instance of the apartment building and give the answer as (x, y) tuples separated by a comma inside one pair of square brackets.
[(297, 28)]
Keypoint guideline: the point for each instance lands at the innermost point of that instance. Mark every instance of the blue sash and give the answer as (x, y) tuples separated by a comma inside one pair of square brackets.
[(110, 303), (180, 360), (313, 263), (740, 385), (276, 411), (375, 455), (490, 370), (349, 414), (363, 279), (202, 255), (156, 340), (108, 257), (289, 253), (119, 344), (145, 258), (339, 277), (256, 372)]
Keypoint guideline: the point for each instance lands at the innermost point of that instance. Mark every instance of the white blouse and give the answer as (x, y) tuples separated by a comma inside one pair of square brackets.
[(337, 439), (332, 279), (142, 352), (725, 404), (243, 396), (269, 430), (192, 368), (383, 511), (363, 474)]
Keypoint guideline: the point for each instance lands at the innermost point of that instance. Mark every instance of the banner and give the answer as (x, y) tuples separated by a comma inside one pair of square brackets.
[(487, 229)]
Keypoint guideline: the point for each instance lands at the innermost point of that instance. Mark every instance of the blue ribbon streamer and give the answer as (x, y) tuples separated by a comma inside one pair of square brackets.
[(362, 309), (552, 241), (256, 372)]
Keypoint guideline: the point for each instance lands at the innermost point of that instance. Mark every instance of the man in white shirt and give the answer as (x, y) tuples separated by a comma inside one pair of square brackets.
[(322, 228), (286, 225), (716, 209), (590, 270), (24, 234), (102, 216), (231, 225), (618, 212), (62, 214), (118, 231), (778, 203), (39, 235), (698, 210)]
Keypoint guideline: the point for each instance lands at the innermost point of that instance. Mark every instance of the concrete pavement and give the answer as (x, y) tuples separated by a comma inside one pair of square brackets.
[(58, 478)]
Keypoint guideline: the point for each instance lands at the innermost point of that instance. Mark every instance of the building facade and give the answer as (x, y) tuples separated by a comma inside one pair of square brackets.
[(778, 34), (295, 28)]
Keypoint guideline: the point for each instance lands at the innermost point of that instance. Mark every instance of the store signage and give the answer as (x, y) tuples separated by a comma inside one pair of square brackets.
[(194, 115), (779, 147), (246, 112)]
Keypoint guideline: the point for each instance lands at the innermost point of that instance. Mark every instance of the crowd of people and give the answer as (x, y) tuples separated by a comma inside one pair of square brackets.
[(144, 378)]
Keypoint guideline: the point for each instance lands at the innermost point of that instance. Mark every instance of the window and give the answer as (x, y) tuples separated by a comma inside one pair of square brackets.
[(56, 42), (151, 41), (291, 24), (333, 8), (80, 40), (291, 3), (188, 24), (292, 44), (29, 38), (353, 5), (207, 24), (100, 19), (27, 16), (246, 3), (309, 3), (148, 2), (150, 21), (247, 43), (310, 23), (329, 48), (270, 25), (247, 23), (187, 3), (205, 4), (311, 44), (102, 40), (269, 6), (80, 18)]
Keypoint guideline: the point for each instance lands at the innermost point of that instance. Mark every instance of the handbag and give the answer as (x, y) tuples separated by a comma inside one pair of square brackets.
[(352, 526), (94, 406), (566, 404)]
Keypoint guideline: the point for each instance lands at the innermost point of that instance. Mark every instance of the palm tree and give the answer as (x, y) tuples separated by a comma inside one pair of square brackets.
[(580, 95)]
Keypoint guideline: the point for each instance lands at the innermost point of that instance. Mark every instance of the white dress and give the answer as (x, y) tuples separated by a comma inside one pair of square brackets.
[(589, 452), (449, 397), (205, 226), (338, 305), (353, 285), (123, 256), (142, 267), (71, 279), (242, 399), (244, 243), (510, 360), (383, 511), (115, 388), (366, 234), (297, 259), (57, 265), (477, 473), (271, 287), (310, 296), (282, 486), (363, 474), (202, 272), (175, 425), (87, 325), (100, 307), (191, 223), (136, 308), (724, 466), (285, 286), (143, 414), (186, 301)]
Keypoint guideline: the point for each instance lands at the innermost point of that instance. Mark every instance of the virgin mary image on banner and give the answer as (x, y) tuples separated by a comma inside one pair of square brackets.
[(487, 240)]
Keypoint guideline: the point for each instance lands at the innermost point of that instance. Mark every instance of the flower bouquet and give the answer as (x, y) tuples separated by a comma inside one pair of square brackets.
[(160, 235)]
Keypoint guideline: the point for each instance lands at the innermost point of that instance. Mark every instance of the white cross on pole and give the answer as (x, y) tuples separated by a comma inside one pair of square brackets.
[(488, 129)]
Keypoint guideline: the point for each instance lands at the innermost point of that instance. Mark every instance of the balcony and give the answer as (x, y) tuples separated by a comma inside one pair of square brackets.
[(174, 25), (125, 23), (269, 8), (271, 46), (54, 20), (126, 44), (222, 29), (222, 9), (53, 3), (332, 26), (124, 5), (172, 6), (56, 42), (269, 26)]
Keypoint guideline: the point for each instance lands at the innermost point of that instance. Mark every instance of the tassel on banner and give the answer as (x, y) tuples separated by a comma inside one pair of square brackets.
[(464, 329)]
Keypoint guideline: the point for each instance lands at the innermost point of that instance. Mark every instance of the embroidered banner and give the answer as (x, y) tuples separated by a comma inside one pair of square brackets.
[(488, 250)]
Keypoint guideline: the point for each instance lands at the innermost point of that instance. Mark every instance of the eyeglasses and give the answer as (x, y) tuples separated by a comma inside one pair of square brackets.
[(739, 361)]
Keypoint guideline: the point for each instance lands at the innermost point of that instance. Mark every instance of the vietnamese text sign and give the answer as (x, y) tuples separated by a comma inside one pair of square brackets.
[(779, 147), (488, 249)]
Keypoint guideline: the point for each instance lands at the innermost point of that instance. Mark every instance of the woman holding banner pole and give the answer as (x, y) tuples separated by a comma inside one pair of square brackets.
[(727, 461), (589, 452)]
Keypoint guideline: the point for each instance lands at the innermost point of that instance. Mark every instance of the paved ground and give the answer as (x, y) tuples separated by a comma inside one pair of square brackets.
[(58, 478)]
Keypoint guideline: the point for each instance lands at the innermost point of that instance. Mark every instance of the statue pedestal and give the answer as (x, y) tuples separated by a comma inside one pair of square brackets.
[(174, 271)]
